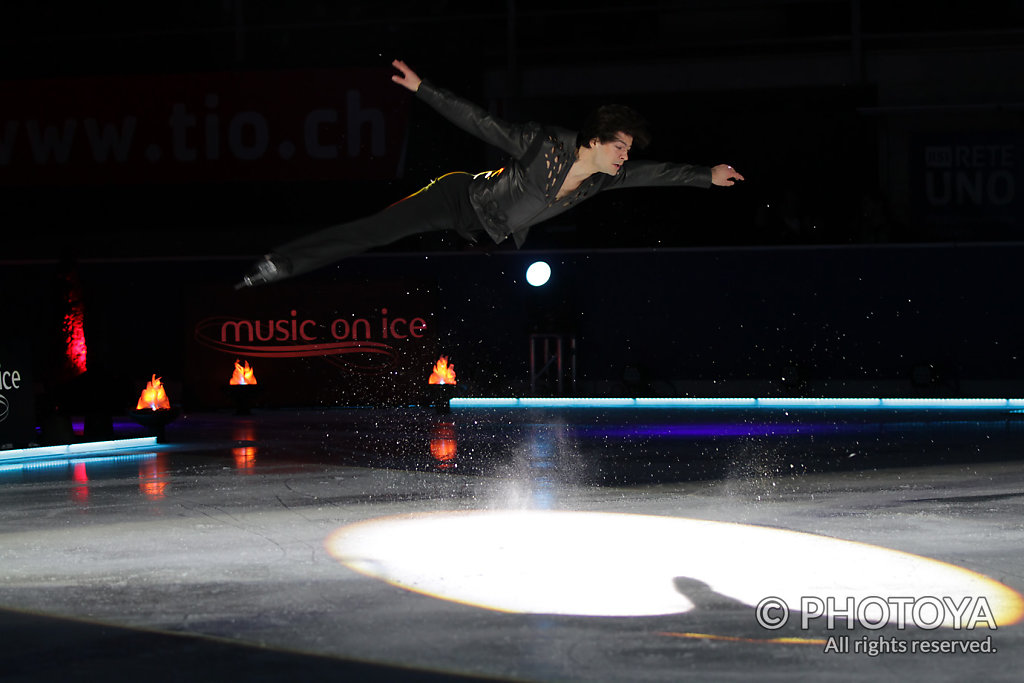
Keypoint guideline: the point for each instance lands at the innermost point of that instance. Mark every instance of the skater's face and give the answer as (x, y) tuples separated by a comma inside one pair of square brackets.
[(613, 154)]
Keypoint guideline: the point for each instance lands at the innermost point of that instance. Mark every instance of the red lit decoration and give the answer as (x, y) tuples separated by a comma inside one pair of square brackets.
[(73, 326), (74, 339)]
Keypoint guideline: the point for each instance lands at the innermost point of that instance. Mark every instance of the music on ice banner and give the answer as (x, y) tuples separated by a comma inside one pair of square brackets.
[(312, 343), (17, 401)]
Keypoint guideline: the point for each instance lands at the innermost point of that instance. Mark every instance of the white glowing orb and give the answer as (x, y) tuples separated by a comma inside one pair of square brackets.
[(603, 564), (538, 273)]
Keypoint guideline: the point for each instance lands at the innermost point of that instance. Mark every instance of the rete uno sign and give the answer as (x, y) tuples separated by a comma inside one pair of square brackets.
[(969, 177)]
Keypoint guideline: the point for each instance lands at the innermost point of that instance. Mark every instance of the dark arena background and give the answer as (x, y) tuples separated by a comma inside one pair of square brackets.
[(762, 432)]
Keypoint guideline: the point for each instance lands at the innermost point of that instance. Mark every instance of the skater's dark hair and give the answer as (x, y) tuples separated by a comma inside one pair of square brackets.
[(607, 120)]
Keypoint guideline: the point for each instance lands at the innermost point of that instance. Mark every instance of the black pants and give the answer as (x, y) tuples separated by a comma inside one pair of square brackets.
[(441, 205)]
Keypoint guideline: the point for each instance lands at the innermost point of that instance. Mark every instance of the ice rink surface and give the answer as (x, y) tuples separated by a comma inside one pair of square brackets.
[(545, 544)]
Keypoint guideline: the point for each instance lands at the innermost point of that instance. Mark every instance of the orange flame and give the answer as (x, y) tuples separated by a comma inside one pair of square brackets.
[(443, 373), (243, 374), (153, 396)]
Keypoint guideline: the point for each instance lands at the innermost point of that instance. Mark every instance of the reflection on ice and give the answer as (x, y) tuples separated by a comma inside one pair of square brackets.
[(80, 490), (443, 445), (244, 451), (153, 477)]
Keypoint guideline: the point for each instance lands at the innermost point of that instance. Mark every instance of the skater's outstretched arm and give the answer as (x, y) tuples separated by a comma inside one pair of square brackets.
[(655, 173), (513, 139)]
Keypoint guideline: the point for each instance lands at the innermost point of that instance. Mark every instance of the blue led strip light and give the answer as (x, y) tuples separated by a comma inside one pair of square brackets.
[(73, 449), (749, 403), (57, 464)]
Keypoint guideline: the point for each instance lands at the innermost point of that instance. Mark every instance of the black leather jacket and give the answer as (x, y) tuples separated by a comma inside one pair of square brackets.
[(510, 200)]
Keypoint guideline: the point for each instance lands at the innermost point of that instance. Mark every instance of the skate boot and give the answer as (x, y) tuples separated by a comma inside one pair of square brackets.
[(269, 269)]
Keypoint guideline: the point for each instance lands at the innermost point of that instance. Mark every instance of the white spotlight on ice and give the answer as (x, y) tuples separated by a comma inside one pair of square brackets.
[(607, 564), (538, 273)]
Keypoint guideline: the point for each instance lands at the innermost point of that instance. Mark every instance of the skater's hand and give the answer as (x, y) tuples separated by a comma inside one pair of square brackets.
[(408, 79), (724, 175)]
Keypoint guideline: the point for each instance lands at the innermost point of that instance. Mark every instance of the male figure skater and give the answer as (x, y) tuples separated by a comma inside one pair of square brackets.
[(550, 170)]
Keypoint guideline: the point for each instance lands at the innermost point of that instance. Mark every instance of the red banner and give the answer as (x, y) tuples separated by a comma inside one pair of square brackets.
[(315, 344), (258, 126)]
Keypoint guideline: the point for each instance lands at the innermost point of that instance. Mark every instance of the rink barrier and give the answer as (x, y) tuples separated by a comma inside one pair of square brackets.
[(1010, 404)]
